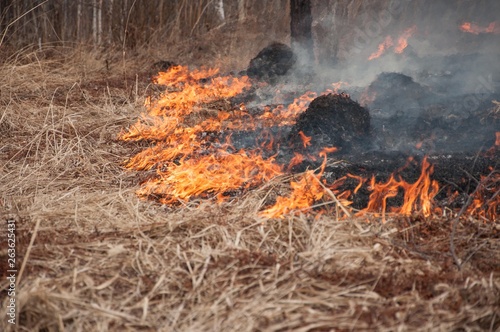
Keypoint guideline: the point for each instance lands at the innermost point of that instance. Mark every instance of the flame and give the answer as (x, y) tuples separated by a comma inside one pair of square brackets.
[(212, 175), (296, 160), (188, 163), (403, 39), (305, 191), (475, 29), (360, 183), (336, 87), (382, 47), (306, 140), (418, 197), (181, 74), (486, 199), (388, 43)]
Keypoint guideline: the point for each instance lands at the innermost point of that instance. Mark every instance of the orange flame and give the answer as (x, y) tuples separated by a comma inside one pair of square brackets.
[(486, 200), (388, 43), (305, 192), (306, 140), (417, 196), (212, 175), (403, 40), (189, 165), (382, 47), (476, 29)]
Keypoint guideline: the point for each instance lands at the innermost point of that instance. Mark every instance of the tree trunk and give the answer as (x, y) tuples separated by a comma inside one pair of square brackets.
[(94, 22), (99, 23), (110, 22), (241, 10), (79, 21), (220, 15), (300, 27)]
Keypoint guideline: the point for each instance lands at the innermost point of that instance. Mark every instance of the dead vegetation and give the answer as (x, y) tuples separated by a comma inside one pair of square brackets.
[(91, 256)]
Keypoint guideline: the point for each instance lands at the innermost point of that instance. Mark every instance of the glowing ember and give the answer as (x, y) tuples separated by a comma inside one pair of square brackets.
[(476, 29)]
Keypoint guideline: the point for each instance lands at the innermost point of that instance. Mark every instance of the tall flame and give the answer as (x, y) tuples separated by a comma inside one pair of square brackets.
[(418, 197)]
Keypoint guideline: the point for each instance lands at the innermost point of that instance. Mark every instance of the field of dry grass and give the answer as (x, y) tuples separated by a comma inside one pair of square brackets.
[(91, 256)]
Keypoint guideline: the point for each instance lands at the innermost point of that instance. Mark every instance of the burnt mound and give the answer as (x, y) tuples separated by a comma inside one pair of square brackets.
[(271, 62), (332, 120)]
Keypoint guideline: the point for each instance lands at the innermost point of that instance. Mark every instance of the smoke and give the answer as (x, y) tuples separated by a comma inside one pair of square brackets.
[(437, 46), (446, 79)]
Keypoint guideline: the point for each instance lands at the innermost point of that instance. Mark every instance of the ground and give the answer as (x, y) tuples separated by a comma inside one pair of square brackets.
[(92, 256)]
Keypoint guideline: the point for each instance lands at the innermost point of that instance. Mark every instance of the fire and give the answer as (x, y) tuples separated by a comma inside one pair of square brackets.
[(418, 197), (486, 199), (382, 47), (307, 190), (189, 163), (212, 175), (475, 29), (181, 74), (305, 139), (388, 43), (403, 40)]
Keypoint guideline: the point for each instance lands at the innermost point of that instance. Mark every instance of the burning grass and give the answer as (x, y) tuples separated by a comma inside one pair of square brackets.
[(92, 256)]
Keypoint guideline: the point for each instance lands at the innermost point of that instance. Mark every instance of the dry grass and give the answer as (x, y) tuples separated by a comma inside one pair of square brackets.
[(100, 259)]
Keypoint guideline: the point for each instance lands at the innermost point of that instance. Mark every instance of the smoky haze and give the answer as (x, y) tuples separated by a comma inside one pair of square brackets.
[(438, 89)]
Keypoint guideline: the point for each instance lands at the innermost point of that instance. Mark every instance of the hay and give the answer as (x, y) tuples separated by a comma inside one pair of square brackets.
[(101, 259)]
